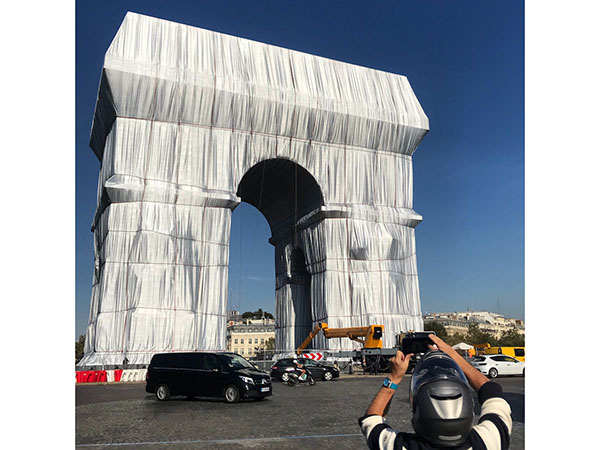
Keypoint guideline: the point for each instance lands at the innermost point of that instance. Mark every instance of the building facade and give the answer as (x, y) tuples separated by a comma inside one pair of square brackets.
[(249, 336), (493, 323)]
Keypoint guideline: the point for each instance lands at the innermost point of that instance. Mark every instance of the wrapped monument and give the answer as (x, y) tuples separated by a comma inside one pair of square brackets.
[(189, 123)]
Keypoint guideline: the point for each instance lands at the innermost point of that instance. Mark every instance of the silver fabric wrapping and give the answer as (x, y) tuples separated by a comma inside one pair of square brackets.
[(182, 115)]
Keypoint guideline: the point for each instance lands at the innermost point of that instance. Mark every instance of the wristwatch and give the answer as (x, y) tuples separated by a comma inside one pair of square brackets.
[(388, 384)]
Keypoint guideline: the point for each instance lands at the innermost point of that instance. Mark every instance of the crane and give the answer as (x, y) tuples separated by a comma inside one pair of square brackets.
[(372, 355), (369, 337)]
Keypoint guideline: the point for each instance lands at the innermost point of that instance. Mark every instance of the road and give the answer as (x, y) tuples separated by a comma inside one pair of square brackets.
[(124, 416)]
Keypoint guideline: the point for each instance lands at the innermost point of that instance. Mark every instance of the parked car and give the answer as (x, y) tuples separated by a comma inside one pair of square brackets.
[(281, 369), (494, 365), (205, 374)]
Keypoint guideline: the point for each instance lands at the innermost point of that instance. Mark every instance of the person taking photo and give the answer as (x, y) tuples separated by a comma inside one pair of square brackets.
[(442, 406)]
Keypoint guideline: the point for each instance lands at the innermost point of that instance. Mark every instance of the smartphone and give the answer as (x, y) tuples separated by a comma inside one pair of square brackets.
[(416, 342)]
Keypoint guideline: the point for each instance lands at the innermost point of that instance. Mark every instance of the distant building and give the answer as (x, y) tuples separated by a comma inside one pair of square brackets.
[(246, 336), (234, 317), (493, 323)]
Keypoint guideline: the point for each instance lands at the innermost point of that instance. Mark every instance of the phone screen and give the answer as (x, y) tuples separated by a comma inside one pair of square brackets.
[(418, 343)]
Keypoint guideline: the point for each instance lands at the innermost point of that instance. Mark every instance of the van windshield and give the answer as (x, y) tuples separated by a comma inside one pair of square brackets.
[(236, 362)]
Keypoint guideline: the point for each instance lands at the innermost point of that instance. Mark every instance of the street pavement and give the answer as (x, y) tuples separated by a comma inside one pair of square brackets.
[(123, 415)]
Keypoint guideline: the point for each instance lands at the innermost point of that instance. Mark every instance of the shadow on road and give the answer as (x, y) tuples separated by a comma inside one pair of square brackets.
[(517, 406)]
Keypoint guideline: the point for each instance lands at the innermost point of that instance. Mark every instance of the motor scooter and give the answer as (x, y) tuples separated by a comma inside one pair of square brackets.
[(295, 378)]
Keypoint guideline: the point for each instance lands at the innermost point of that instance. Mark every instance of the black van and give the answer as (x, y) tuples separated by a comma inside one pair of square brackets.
[(224, 375)]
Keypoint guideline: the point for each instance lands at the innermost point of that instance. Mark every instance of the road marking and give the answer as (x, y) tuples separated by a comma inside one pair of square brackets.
[(220, 441)]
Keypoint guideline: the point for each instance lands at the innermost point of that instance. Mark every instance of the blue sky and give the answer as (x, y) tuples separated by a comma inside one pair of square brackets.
[(465, 62)]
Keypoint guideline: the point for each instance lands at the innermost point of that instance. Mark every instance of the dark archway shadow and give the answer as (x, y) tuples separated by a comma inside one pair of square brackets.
[(302, 299), (282, 190)]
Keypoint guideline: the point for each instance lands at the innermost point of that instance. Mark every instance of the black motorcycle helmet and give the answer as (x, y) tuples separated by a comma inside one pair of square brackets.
[(441, 401)]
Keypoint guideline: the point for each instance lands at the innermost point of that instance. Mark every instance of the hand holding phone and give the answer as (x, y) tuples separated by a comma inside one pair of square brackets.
[(417, 342)]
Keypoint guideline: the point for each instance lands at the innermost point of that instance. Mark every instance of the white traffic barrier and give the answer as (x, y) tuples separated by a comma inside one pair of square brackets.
[(125, 375), (110, 376), (133, 375)]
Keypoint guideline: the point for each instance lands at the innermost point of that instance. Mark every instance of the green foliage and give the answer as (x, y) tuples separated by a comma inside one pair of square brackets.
[(79, 348), (258, 314), (476, 336), (265, 351), (440, 330), (512, 338), (456, 338), (270, 344)]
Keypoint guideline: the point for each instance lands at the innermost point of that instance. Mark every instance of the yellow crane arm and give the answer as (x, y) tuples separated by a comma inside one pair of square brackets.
[(354, 333), (310, 337), (369, 337)]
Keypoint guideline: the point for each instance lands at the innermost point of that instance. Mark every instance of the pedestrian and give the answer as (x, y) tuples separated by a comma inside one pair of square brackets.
[(442, 406)]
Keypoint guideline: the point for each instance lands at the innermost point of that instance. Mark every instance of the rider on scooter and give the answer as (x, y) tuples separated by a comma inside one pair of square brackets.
[(299, 367)]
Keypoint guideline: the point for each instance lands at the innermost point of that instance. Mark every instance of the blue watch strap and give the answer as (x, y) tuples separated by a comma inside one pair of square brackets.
[(388, 383)]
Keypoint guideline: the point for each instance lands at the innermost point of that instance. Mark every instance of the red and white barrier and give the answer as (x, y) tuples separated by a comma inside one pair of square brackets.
[(313, 356), (110, 376), (91, 376)]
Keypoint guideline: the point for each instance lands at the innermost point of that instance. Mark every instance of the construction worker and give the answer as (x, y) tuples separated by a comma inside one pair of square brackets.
[(441, 405)]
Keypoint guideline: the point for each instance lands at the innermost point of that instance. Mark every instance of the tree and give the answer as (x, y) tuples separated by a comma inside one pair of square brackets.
[(440, 330), (511, 338), (265, 351), (79, 348), (476, 336), (258, 314), (456, 338)]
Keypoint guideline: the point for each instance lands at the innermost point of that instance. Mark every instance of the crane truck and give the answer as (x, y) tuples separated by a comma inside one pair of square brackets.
[(373, 357)]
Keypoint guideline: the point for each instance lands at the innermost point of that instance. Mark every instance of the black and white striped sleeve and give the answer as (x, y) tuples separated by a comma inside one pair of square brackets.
[(495, 424), (379, 434)]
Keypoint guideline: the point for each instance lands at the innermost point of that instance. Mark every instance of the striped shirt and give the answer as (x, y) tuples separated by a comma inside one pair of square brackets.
[(492, 432)]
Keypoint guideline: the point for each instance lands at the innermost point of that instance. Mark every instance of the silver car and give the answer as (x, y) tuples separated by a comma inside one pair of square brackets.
[(494, 365)]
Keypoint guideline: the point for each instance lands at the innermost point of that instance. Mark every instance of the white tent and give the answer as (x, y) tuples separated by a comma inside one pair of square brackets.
[(462, 346)]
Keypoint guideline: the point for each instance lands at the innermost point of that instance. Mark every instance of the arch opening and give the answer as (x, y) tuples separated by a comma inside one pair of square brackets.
[(250, 261), (282, 190)]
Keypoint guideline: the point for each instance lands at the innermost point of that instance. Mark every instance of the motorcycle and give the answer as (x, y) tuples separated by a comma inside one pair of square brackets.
[(295, 378)]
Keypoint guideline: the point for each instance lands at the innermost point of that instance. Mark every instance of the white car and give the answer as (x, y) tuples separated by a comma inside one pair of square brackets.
[(494, 365)]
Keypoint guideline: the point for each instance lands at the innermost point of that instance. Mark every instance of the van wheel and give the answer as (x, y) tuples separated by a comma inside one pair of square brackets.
[(327, 376), (231, 394), (523, 372), (493, 373), (162, 392)]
